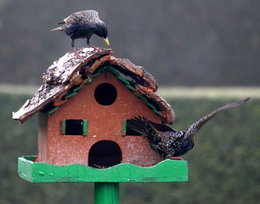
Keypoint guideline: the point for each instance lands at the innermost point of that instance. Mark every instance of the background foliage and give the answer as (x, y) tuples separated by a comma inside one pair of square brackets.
[(223, 166), (197, 42)]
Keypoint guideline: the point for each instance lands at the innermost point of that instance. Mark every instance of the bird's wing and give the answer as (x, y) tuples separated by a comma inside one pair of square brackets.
[(90, 15), (70, 19), (145, 128), (195, 127), (173, 135), (156, 127), (85, 15), (161, 127)]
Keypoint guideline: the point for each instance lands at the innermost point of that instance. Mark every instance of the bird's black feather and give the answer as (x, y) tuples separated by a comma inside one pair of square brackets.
[(169, 142), (83, 24)]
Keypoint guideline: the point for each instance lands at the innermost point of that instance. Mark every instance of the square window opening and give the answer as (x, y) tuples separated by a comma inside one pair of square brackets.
[(74, 127)]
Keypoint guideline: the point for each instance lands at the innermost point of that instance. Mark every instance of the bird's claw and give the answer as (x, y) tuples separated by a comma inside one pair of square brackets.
[(95, 48), (175, 158), (76, 52)]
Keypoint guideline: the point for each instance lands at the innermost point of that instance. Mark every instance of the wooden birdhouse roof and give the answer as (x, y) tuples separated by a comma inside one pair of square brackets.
[(66, 76)]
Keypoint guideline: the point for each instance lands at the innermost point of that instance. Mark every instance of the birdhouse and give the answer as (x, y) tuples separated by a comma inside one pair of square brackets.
[(84, 104)]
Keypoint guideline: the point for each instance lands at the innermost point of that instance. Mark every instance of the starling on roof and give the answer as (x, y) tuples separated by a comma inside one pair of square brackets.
[(83, 24), (169, 142)]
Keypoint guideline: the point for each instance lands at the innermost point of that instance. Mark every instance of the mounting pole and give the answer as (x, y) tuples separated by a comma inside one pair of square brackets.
[(106, 193)]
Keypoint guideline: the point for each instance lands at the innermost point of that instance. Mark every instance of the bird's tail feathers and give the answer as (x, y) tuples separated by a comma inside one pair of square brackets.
[(60, 28), (195, 127), (141, 125), (62, 22)]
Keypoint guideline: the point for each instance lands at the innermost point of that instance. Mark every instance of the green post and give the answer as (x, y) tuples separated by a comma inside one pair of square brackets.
[(106, 193)]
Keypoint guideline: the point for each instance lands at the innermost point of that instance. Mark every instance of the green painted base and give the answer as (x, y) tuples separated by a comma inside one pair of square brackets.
[(165, 171)]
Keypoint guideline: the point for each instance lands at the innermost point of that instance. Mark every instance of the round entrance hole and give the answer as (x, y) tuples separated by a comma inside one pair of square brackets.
[(104, 154), (105, 94)]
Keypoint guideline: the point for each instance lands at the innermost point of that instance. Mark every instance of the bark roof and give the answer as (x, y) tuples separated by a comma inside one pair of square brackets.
[(70, 73)]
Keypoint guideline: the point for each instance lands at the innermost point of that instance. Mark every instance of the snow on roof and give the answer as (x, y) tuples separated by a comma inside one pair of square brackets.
[(76, 69)]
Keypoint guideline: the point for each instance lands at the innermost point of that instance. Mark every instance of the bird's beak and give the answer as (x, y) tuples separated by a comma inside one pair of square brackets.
[(107, 41)]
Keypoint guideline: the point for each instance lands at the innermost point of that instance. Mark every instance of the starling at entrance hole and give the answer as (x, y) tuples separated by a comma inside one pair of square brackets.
[(173, 143), (83, 24)]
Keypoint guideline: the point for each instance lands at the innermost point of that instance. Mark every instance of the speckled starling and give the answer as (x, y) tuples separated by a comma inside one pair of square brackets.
[(83, 24), (171, 143)]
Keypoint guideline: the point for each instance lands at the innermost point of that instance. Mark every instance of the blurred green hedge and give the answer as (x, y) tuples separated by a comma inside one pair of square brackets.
[(223, 166)]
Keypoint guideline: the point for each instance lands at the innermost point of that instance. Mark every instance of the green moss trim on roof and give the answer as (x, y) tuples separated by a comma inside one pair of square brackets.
[(127, 83), (70, 73), (51, 111)]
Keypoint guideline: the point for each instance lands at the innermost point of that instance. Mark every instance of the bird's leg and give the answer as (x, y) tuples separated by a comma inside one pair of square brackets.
[(88, 43), (73, 47), (72, 43)]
